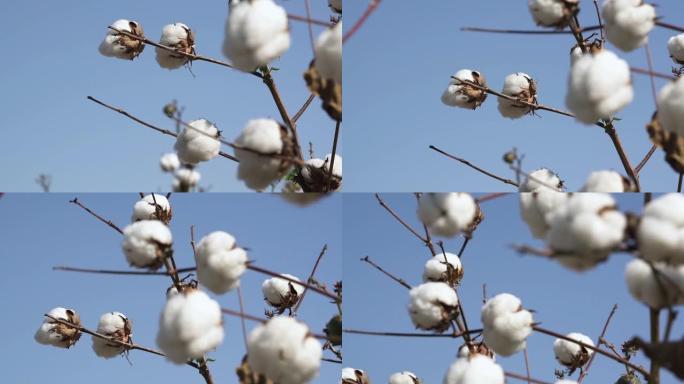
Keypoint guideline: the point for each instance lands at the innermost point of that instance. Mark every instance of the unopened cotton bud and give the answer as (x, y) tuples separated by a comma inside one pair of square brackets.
[(315, 174), (185, 179), (354, 376), (660, 234), (404, 377), (599, 86), (460, 94), (328, 53), (671, 107), (281, 293), (116, 326), (657, 290), (179, 37), (190, 326), (542, 179), (506, 324), (285, 351), (553, 13), (433, 306), (572, 354), (57, 334), (445, 267), (256, 33), (267, 137), (478, 369), (169, 162), (628, 22), (448, 214), (606, 181), (335, 5), (198, 141), (522, 87), (676, 48), (146, 243), (534, 206), (116, 44), (220, 262), (152, 207)]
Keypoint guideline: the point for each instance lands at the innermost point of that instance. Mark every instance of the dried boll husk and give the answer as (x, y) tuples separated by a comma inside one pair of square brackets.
[(670, 142), (328, 90)]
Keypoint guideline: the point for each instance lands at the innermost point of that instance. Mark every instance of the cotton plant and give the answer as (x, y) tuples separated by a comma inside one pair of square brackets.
[(314, 174), (354, 376), (120, 46), (432, 306), (542, 179), (573, 355), (260, 147), (404, 377), (553, 13), (506, 324), (179, 37), (256, 33), (116, 326), (463, 95), (628, 22), (608, 182), (56, 334), (282, 294), (146, 243), (522, 87), (220, 262), (656, 285), (660, 233), (443, 267), (675, 46), (152, 207), (448, 214), (198, 142), (284, 351), (476, 369)]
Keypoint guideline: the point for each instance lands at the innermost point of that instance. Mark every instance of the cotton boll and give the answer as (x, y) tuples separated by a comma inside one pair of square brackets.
[(606, 181), (315, 172), (541, 180), (534, 206), (266, 137), (522, 87), (571, 354), (676, 48), (169, 162), (445, 267), (478, 369), (280, 293), (56, 334), (506, 324), (220, 262), (432, 306), (293, 193), (186, 179), (256, 33), (565, 382), (179, 37), (198, 141), (116, 326), (115, 44), (656, 290), (354, 376), (328, 53), (460, 94), (628, 22), (660, 234), (553, 13), (599, 86), (335, 5), (671, 107), (404, 377), (190, 325), (146, 243), (448, 214), (152, 207), (284, 351), (477, 349)]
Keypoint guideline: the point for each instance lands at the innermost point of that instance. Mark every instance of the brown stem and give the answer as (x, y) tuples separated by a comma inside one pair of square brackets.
[(391, 276), (679, 182), (491, 196), (669, 26), (303, 109), (585, 372), (399, 219), (307, 4), (311, 275), (111, 272), (612, 133), (475, 167), (309, 20), (642, 71), (404, 334), (273, 89), (102, 219), (649, 59), (527, 367), (428, 237), (654, 317), (314, 288), (645, 160), (600, 21), (527, 32), (243, 315), (359, 23), (332, 155)]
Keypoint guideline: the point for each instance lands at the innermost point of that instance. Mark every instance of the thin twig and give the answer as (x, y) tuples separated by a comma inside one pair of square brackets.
[(656, 74), (309, 280), (428, 237), (399, 219), (243, 315), (649, 59), (391, 276), (645, 160), (102, 219), (600, 21), (491, 196), (679, 182), (304, 107), (526, 31), (475, 167), (585, 372), (669, 26), (309, 20), (612, 133), (242, 319), (307, 5), (372, 6), (332, 155), (405, 334), (314, 288), (654, 317), (527, 367), (273, 89)]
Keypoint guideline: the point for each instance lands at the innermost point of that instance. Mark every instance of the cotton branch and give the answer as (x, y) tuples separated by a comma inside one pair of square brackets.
[(399, 280), (475, 167), (102, 219), (400, 220), (585, 372), (527, 31), (405, 334), (308, 20), (309, 280), (372, 6)]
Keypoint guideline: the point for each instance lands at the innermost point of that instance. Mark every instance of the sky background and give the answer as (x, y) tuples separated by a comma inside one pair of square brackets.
[(42, 231), (50, 127), (404, 57), (565, 301)]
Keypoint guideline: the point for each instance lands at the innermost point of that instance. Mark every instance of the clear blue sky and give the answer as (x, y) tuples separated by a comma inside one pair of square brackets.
[(565, 301), (404, 57), (42, 231), (49, 126)]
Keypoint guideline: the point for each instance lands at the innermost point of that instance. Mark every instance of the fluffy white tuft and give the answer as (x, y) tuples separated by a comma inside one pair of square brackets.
[(456, 93), (403, 377), (671, 107), (675, 45), (656, 290), (571, 354), (115, 325), (534, 206), (144, 243), (328, 53), (146, 208), (660, 235), (220, 262), (506, 324), (178, 36), (447, 214), (55, 334), (198, 142), (169, 162), (263, 136), (436, 268), (605, 181), (279, 291), (478, 369), (628, 22), (521, 86), (541, 180), (432, 305), (185, 179)]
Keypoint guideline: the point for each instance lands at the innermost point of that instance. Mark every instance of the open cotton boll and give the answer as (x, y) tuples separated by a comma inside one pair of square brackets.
[(534, 206), (264, 136), (506, 324), (671, 107), (354, 376), (152, 207), (522, 87), (256, 33), (280, 293), (599, 86), (285, 351), (169, 162), (404, 377), (628, 22), (115, 44), (675, 45), (116, 326), (179, 37), (185, 180), (542, 179), (335, 5), (478, 369), (198, 141), (432, 306), (220, 262), (293, 193), (445, 267), (477, 349), (190, 325), (460, 94), (606, 181), (328, 53), (315, 174), (572, 354), (585, 229), (553, 13), (448, 214), (146, 243), (56, 334), (660, 234), (644, 286)]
